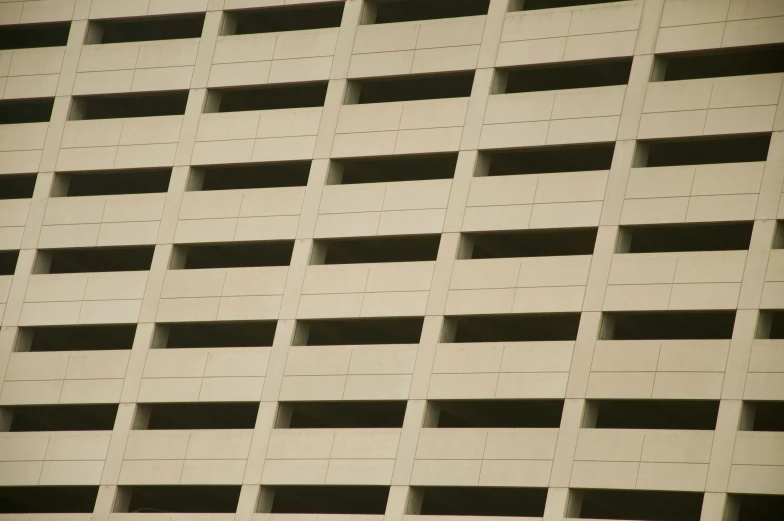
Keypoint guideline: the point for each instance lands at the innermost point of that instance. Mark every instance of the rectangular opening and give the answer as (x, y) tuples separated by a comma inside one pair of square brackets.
[(48, 499), (284, 18), (187, 335), (358, 331), (184, 499), (565, 75), (111, 182), (407, 248), (341, 415), (410, 88), (17, 186), (668, 325), (33, 110), (28, 36), (171, 103), (685, 237), (94, 260), (395, 11), (203, 415), (532, 5), (648, 505), (693, 415), (267, 97), (546, 160), (754, 507), (478, 501), (46, 418), (494, 414), (76, 338), (418, 167), (145, 29), (8, 260), (243, 177), (771, 324), (533, 327), (325, 499), (528, 243), (232, 255), (702, 150), (767, 416), (717, 63)]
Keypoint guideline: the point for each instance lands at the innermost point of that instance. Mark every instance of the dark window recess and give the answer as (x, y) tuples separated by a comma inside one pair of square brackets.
[(778, 238), (241, 177), (534, 327), (652, 414), (324, 499), (171, 103), (43, 418), (478, 501), (341, 415), (204, 415), (410, 88), (32, 110), (28, 36), (410, 248), (17, 186), (145, 29), (76, 338), (531, 5), (771, 324), (188, 335), (547, 160), (566, 75), (703, 150), (394, 11), (685, 237), (648, 505), (763, 416), (111, 182), (268, 97), (498, 414), (48, 500), (392, 169), (528, 243), (283, 18), (754, 507), (8, 260), (668, 325), (232, 255), (358, 331), (92, 260), (185, 499), (738, 61)]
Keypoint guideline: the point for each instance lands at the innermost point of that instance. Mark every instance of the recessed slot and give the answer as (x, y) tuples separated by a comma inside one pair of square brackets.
[(341, 415), (392, 169), (47, 418), (771, 324), (358, 331), (111, 182), (699, 415), (284, 18), (171, 103), (8, 260), (324, 499), (494, 414), (528, 243), (767, 416), (533, 327), (17, 186), (478, 501), (564, 75), (48, 499), (668, 325), (546, 160), (202, 415), (185, 499), (28, 36), (232, 255), (532, 5), (187, 335), (410, 88), (94, 260), (76, 338), (267, 97), (33, 110), (408, 248), (702, 150), (242, 177), (717, 63), (145, 29), (395, 11), (754, 507), (685, 237), (648, 505)]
